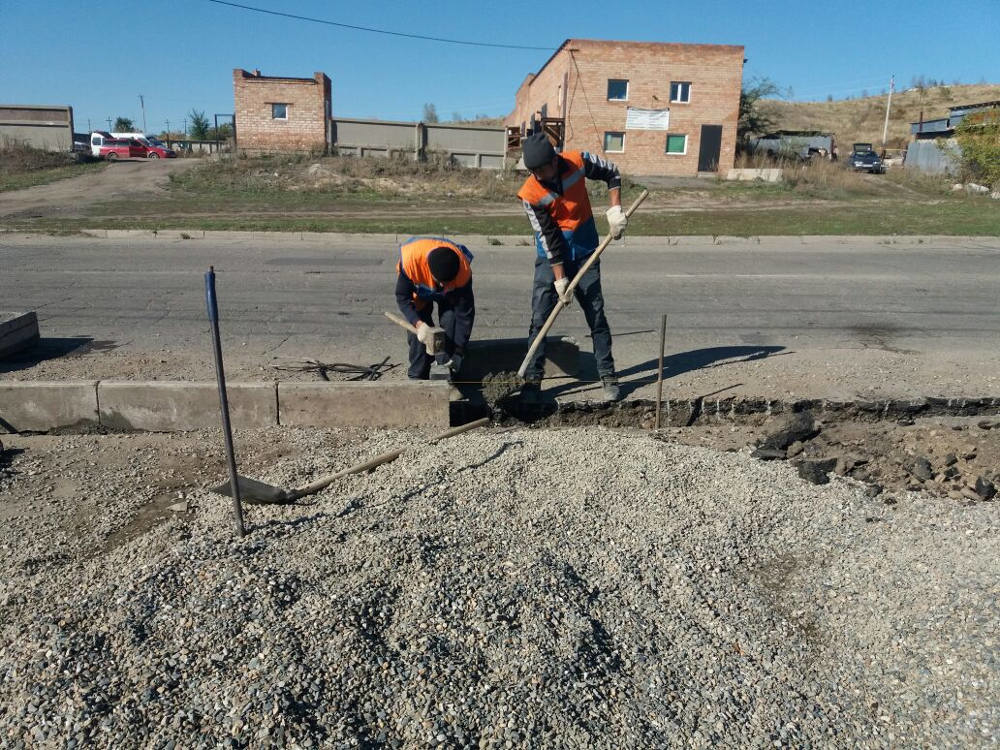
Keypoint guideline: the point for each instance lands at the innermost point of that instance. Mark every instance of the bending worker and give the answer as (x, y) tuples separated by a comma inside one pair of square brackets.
[(556, 201), (433, 269)]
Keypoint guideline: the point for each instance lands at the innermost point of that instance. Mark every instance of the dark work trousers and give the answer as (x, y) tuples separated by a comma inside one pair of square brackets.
[(420, 360), (591, 300)]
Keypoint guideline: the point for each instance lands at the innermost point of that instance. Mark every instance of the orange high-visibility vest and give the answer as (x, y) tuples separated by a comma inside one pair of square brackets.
[(572, 208), (413, 262)]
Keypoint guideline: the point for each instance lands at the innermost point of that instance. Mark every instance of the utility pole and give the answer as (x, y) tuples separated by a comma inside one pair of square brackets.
[(185, 127), (142, 105), (888, 106), (89, 129), (109, 124)]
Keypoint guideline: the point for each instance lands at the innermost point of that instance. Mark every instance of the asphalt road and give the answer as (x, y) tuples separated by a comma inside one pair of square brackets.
[(834, 315)]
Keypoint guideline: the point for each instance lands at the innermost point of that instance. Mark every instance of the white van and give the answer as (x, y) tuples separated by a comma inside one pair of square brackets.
[(141, 137), (97, 139)]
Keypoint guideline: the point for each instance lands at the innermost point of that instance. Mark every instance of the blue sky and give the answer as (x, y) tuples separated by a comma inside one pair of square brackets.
[(98, 58)]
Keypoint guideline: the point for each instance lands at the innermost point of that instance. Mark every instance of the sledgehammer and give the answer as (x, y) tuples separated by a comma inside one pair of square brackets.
[(439, 337)]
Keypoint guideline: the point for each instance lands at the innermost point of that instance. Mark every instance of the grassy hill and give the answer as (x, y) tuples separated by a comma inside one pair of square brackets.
[(862, 119)]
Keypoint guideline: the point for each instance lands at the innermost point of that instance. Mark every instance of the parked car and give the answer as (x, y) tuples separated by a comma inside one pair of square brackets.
[(158, 150), (119, 148), (867, 161)]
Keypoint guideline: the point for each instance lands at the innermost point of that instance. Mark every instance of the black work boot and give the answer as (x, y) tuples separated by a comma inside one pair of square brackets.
[(609, 383)]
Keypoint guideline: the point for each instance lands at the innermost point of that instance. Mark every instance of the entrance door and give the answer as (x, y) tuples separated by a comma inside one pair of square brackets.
[(710, 148)]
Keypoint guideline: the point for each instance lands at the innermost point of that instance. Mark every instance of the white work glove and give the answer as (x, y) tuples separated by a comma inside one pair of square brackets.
[(617, 221), (426, 335), (561, 286)]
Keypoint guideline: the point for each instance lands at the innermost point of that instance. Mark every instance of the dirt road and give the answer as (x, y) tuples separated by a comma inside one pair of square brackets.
[(68, 198)]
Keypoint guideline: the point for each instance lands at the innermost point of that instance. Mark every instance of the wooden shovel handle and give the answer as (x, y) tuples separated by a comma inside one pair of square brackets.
[(384, 458), (591, 260)]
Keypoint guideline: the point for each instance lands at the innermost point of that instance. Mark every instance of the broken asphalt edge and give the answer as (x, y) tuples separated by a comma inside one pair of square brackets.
[(176, 406)]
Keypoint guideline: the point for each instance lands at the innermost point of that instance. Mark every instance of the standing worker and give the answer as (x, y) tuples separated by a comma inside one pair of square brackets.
[(556, 201), (433, 269)]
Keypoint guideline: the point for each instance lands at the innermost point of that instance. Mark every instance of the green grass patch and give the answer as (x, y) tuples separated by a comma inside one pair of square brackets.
[(958, 216), (18, 180)]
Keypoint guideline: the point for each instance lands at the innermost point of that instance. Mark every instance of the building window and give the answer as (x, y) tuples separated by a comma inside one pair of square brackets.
[(544, 111), (617, 90), (614, 143), (279, 111), (677, 144), (680, 92)]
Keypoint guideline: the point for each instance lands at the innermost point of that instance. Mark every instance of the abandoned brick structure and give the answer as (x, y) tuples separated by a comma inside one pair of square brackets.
[(275, 113), (652, 108)]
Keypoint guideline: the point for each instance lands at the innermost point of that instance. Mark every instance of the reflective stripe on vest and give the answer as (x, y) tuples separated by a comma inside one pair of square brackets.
[(570, 209), (413, 262)]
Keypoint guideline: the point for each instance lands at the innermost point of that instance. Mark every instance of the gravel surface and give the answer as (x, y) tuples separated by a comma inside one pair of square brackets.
[(571, 588)]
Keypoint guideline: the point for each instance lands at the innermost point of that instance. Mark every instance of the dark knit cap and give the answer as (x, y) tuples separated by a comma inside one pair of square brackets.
[(443, 262), (537, 150)]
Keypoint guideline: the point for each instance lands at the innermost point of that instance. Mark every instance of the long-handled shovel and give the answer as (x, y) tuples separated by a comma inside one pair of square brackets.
[(255, 491), (594, 256)]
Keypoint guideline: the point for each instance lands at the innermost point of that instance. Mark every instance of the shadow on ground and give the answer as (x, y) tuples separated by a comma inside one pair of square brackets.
[(53, 348)]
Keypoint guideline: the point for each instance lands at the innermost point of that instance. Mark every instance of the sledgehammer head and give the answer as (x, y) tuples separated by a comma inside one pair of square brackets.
[(440, 372), (440, 340)]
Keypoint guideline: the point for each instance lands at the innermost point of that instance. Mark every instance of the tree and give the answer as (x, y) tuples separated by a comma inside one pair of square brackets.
[(457, 117), (430, 113), (199, 125), (124, 125), (978, 135), (752, 120)]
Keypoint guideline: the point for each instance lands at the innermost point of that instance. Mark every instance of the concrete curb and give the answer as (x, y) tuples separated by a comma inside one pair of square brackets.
[(17, 331), (40, 407), (164, 406), (509, 241), (177, 406), (398, 404)]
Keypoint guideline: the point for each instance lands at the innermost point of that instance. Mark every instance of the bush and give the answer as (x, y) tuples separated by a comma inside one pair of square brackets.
[(978, 135)]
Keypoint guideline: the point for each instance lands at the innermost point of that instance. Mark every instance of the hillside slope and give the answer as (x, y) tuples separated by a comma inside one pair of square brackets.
[(862, 119)]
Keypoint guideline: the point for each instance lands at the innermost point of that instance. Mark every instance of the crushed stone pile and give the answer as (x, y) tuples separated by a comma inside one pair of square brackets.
[(570, 588)]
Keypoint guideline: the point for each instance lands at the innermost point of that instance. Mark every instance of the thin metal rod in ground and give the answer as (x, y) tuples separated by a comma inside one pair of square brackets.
[(227, 430), (659, 370), (591, 260)]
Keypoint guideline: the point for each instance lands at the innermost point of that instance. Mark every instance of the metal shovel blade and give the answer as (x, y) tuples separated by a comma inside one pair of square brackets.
[(256, 492)]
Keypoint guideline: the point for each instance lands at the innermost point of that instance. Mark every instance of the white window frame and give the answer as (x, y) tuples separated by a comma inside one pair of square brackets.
[(666, 143), (627, 87), (279, 104), (679, 84), (605, 144)]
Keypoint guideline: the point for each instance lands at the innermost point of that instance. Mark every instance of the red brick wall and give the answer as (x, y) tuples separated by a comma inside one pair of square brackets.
[(714, 71), (307, 124)]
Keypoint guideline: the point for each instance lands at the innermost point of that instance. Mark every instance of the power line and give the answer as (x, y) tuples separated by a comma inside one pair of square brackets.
[(377, 31)]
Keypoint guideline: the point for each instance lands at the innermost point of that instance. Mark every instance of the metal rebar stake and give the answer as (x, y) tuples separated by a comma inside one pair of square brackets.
[(227, 429), (659, 370)]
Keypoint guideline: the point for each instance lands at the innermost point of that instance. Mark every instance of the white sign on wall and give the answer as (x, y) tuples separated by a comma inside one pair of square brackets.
[(647, 119)]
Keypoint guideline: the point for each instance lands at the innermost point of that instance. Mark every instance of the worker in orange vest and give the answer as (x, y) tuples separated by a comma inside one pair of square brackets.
[(555, 199), (434, 269)]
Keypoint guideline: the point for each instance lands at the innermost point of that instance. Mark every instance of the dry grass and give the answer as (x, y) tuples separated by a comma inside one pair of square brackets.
[(22, 166), (369, 177), (17, 158), (854, 120)]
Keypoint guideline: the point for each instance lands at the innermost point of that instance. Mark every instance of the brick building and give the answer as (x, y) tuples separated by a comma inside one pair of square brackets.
[(274, 113), (652, 108)]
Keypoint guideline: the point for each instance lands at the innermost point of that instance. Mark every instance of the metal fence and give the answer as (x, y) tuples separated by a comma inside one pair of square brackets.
[(934, 157)]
